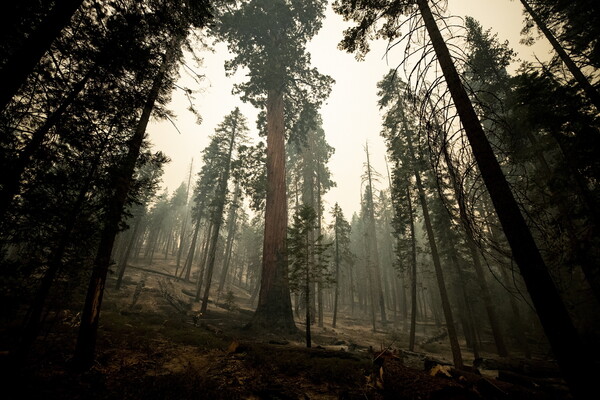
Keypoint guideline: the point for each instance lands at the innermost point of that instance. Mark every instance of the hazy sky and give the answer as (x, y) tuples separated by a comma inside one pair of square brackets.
[(350, 117)]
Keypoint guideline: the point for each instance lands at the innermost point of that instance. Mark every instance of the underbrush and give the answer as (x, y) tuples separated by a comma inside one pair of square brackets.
[(319, 366)]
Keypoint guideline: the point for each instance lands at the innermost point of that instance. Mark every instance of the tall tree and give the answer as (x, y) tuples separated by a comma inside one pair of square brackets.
[(228, 133), (86, 340), (371, 238), (590, 91), (555, 319), (307, 169), (391, 124), (269, 38), (308, 263), (342, 253)]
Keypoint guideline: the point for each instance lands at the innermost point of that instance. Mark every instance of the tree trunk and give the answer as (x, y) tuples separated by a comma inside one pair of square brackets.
[(487, 300), (201, 267), (466, 310), (452, 336), (274, 311), (351, 272), (485, 291), (319, 217), (413, 273), (185, 218), (372, 236), (220, 199), (307, 289), (232, 224), (564, 339), (88, 330), (187, 266), (22, 62), (125, 259), (337, 274)]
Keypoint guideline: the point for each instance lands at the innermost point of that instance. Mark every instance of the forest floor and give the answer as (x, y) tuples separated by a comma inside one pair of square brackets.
[(154, 344)]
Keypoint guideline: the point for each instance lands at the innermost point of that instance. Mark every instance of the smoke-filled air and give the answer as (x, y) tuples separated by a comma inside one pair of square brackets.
[(299, 199)]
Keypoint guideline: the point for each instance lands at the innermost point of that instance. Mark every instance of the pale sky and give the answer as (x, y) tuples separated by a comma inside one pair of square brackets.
[(350, 117)]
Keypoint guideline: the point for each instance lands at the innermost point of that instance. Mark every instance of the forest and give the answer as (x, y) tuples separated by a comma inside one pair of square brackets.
[(465, 266)]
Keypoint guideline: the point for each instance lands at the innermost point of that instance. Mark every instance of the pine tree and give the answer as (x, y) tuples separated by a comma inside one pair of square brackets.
[(229, 133), (342, 253), (307, 256), (565, 341)]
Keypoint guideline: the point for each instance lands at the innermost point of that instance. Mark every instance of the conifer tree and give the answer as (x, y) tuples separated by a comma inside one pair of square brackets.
[(341, 250), (558, 326), (307, 256), (269, 37)]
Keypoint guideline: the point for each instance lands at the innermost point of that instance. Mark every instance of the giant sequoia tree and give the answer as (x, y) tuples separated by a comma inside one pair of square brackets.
[(553, 314), (268, 37)]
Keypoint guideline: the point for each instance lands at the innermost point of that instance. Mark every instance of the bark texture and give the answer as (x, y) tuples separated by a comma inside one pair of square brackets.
[(274, 311)]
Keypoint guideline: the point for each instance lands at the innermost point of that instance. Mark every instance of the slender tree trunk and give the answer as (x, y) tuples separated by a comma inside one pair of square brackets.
[(125, 259), (319, 284), (373, 238), (153, 246), (307, 289), (413, 273), (185, 218), (466, 309), (517, 324), (22, 62), (218, 219), (201, 267), (187, 266), (452, 336), (581, 79), (88, 330), (232, 224), (566, 344), (274, 309), (352, 289), (337, 274), (212, 251), (485, 292), (487, 301), (369, 297), (169, 239)]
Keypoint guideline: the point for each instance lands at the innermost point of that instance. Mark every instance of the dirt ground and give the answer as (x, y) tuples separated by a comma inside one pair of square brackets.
[(154, 344)]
